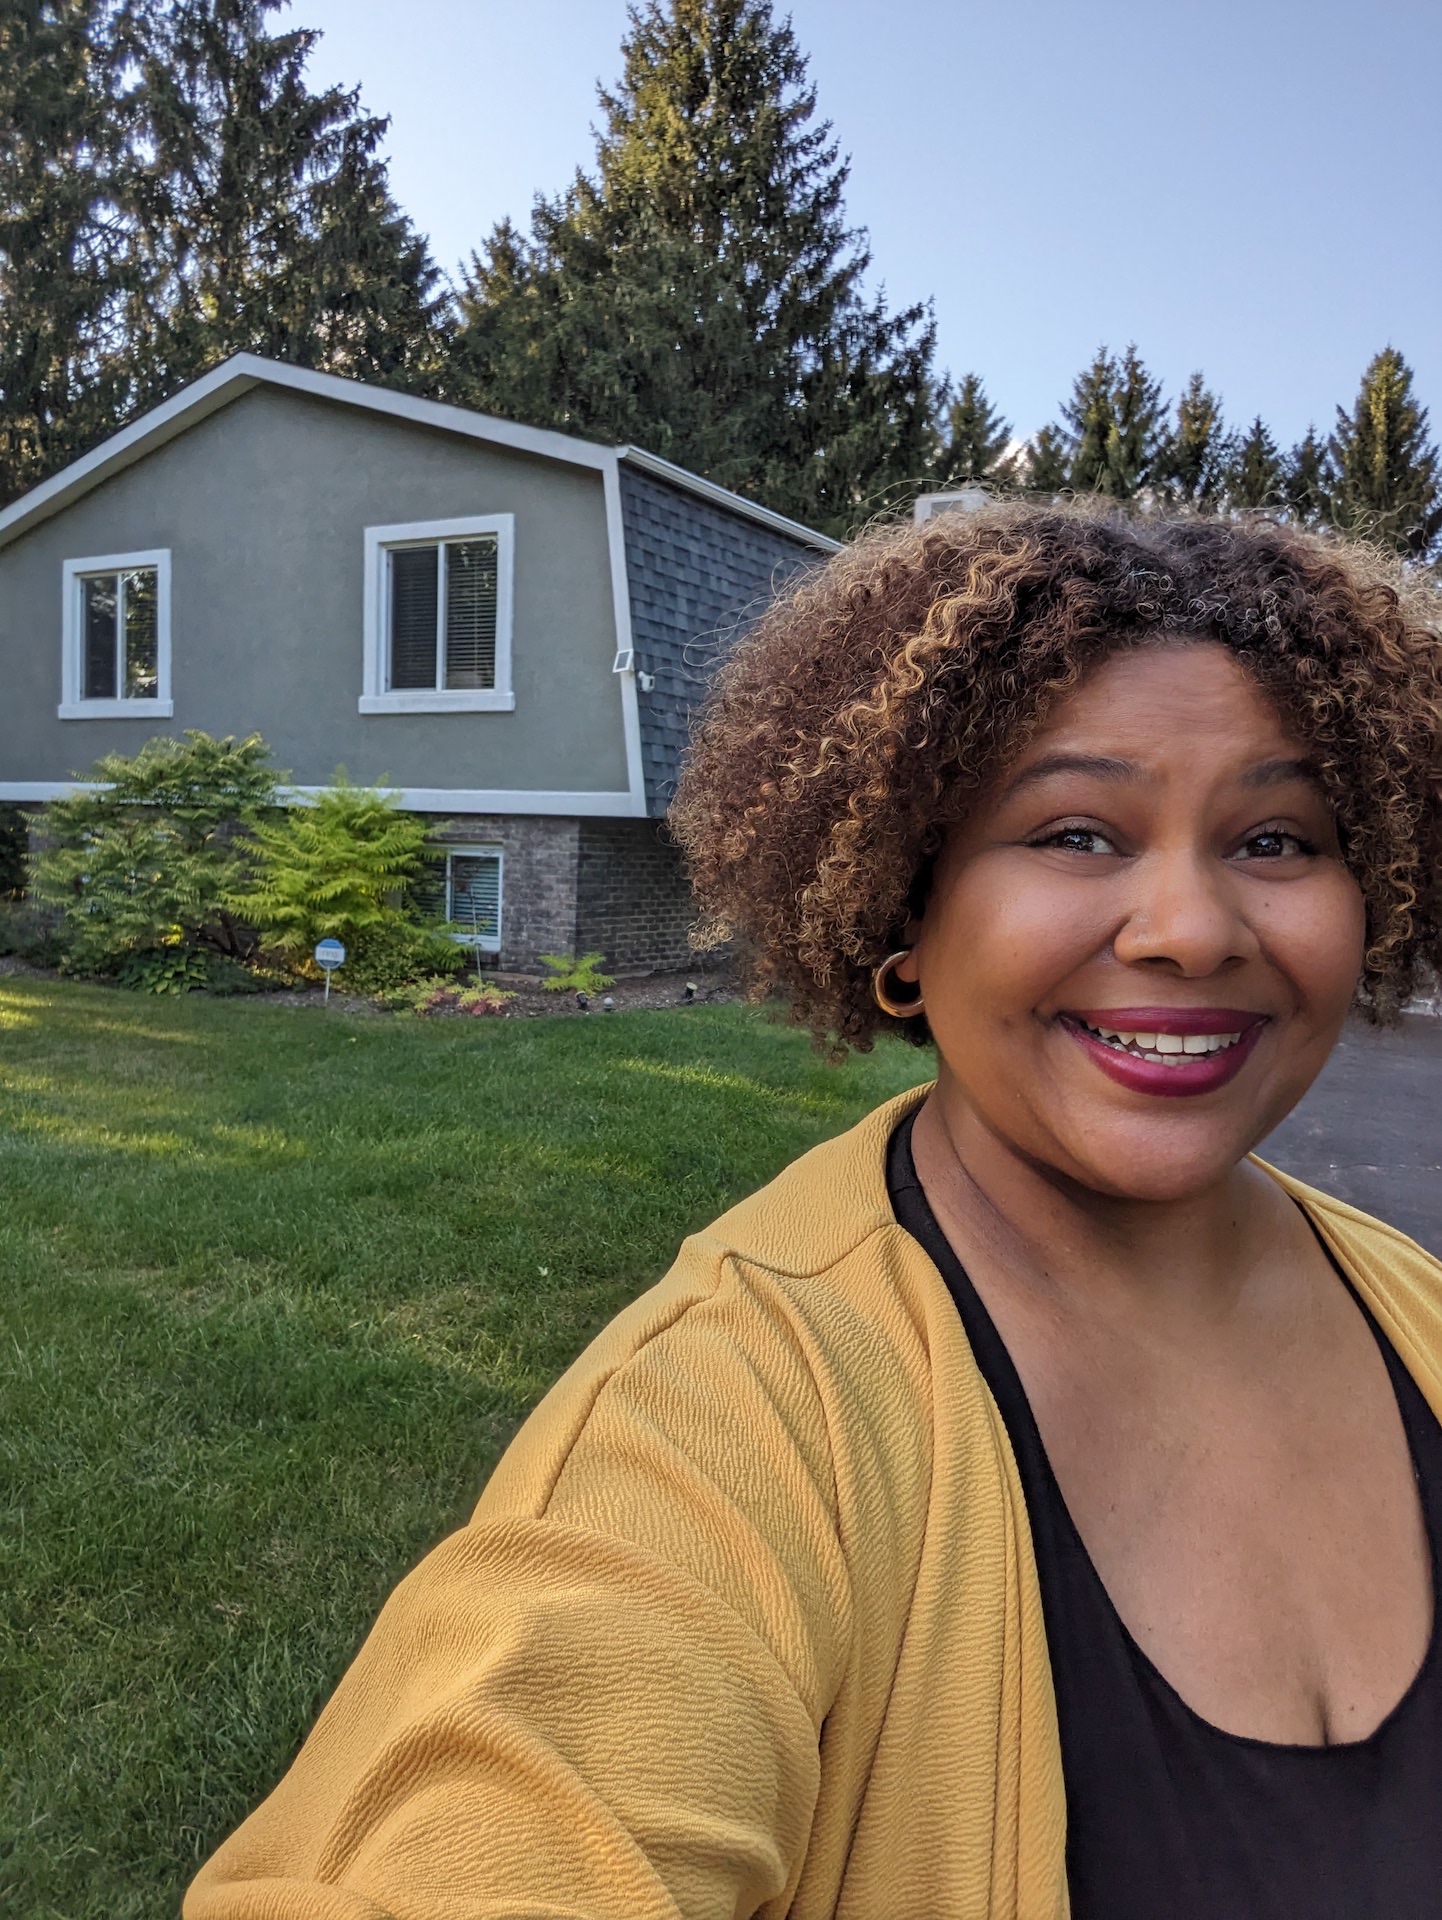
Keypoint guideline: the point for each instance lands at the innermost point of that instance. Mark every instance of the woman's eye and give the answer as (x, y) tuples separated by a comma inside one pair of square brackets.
[(1275, 843), (1076, 840)]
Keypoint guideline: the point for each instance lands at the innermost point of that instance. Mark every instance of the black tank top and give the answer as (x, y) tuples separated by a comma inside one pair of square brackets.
[(1169, 1817)]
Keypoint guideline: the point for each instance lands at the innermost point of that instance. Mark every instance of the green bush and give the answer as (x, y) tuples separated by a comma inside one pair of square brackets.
[(335, 869), (13, 852), (173, 969), (566, 974), (395, 952), (28, 933), (142, 861)]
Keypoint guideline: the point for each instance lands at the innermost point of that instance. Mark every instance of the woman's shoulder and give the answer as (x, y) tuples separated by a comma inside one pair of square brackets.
[(1400, 1281), (807, 1292)]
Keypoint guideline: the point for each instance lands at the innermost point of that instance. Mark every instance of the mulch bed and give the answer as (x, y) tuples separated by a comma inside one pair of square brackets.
[(710, 985)]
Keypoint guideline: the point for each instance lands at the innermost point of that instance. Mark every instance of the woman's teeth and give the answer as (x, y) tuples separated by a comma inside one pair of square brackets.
[(1162, 1049)]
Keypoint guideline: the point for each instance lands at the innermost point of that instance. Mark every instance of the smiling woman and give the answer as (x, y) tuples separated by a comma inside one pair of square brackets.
[(1030, 1503)]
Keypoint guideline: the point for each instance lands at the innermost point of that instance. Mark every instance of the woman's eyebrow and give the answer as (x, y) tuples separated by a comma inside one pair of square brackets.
[(1276, 773), (1099, 765)]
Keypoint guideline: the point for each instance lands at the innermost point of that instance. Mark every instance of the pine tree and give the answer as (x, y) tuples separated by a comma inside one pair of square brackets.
[(269, 224), (1383, 468), (64, 184), (1194, 459), (702, 294), (1117, 424), (974, 439), (1304, 480), (1048, 461), (1254, 477), (1090, 413)]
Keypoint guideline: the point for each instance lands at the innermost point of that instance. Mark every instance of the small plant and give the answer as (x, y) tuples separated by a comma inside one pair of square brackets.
[(386, 957), (566, 974), (439, 995), (172, 969)]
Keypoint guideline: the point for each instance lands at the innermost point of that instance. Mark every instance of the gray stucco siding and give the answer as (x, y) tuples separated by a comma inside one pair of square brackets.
[(263, 506)]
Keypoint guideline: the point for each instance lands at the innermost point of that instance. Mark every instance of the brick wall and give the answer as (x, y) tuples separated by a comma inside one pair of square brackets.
[(538, 881), (633, 901)]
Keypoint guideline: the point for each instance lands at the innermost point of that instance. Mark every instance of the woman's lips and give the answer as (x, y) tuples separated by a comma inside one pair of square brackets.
[(1156, 1030)]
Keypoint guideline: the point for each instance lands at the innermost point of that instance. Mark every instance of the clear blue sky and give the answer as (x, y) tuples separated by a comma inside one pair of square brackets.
[(1252, 187)]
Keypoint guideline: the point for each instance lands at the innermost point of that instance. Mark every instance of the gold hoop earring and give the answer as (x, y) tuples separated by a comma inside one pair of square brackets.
[(898, 1009)]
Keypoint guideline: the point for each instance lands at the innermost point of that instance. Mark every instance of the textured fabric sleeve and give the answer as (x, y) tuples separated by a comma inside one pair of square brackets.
[(604, 1696)]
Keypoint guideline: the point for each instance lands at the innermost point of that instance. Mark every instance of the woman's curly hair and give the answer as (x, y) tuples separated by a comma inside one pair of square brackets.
[(859, 719)]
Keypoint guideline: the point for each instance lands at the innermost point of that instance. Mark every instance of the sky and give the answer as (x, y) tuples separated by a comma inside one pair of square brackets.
[(1248, 187)]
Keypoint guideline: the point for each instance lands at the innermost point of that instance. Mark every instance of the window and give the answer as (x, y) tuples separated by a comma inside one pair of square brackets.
[(116, 634), (438, 617), (464, 887)]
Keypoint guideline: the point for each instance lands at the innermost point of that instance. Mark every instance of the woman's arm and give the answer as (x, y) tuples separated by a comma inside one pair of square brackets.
[(604, 1696)]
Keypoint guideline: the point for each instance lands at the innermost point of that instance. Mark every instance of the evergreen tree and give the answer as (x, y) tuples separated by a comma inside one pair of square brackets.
[(1117, 424), (63, 188), (1193, 462), (702, 294), (1255, 475), (268, 223), (1048, 461), (1304, 480), (974, 439), (172, 192), (1383, 465)]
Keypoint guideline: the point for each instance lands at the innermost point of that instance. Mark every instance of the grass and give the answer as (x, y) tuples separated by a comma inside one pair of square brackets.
[(275, 1289)]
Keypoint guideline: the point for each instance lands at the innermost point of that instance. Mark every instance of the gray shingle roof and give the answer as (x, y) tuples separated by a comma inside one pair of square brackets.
[(698, 576)]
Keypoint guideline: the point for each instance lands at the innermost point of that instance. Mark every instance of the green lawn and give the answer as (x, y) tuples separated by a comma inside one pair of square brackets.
[(277, 1286)]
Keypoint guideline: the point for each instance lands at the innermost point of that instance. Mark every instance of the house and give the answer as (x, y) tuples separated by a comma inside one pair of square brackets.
[(507, 625)]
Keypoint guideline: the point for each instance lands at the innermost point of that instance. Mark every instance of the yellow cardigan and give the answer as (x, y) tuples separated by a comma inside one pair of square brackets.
[(746, 1621)]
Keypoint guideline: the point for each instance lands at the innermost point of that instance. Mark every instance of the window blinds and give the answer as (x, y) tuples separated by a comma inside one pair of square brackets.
[(120, 635), (471, 581), (459, 652), (474, 889), (415, 597)]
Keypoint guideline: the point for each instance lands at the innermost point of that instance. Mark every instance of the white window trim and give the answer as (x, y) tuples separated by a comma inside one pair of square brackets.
[(482, 943), (376, 697), (72, 630)]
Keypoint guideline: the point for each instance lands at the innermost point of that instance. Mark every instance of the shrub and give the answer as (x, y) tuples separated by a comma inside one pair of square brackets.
[(385, 957), (333, 869), (13, 852), (143, 860), (566, 974), (172, 969), (28, 933)]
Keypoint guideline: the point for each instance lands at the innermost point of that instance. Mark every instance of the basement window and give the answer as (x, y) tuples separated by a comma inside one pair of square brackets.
[(463, 886), (438, 617)]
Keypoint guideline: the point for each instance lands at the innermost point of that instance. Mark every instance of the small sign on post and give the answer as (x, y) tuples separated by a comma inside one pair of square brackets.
[(329, 954)]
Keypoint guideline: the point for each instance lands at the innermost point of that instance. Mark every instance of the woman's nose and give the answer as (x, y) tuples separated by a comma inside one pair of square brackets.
[(1185, 915)]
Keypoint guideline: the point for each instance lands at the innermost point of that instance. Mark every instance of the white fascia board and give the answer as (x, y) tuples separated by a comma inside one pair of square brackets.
[(587, 804), (625, 649), (241, 374), (33, 792), (732, 502)]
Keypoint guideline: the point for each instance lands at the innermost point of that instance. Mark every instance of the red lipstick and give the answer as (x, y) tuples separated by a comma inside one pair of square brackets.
[(1125, 1043)]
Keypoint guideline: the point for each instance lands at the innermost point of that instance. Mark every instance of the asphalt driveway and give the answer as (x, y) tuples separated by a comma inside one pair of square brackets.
[(1370, 1130)]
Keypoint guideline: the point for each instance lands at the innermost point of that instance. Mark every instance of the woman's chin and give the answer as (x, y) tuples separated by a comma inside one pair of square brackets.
[(1156, 1169)]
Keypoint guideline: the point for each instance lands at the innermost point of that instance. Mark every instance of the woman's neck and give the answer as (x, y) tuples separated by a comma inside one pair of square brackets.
[(1176, 1258)]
